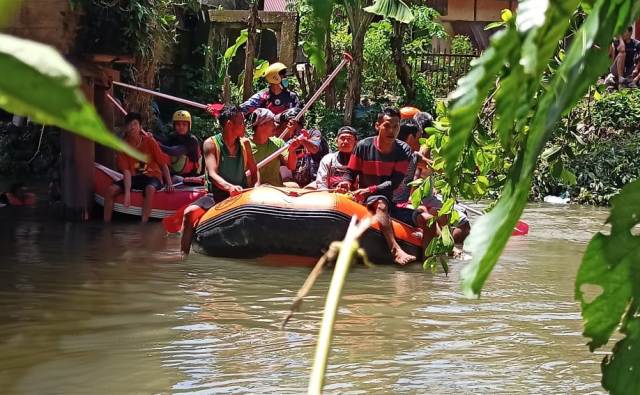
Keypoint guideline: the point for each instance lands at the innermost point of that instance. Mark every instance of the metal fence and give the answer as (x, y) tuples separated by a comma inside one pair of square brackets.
[(443, 70)]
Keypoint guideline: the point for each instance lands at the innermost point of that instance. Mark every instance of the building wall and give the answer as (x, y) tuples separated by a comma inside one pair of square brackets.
[(48, 21), (485, 10)]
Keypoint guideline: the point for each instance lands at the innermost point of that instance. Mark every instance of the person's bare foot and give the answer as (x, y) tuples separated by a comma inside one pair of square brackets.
[(402, 258)]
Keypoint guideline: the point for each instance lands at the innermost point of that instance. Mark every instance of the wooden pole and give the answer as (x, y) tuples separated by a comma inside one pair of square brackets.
[(250, 52)]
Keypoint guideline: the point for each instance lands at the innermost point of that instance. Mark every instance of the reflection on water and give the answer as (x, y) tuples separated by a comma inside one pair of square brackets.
[(86, 308)]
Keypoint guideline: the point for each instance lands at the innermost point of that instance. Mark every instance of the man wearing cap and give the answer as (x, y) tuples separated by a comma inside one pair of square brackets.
[(264, 143), (276, 98), (183, 148), (310, 147), (334, 166)]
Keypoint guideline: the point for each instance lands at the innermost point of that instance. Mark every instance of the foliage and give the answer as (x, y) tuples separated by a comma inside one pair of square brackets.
[(618, 110), (42, 85), (28, 150), (611, 265), (537, 85), (461, 45), (393, 9)]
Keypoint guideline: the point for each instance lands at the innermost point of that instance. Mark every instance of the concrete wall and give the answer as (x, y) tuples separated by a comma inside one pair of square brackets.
[(48, 21)]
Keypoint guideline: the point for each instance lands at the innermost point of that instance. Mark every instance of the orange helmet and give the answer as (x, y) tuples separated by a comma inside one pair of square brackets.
[(408, 112)]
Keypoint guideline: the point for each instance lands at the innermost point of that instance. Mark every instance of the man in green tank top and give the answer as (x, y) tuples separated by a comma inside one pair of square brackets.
[(227, 157), (264, 143)]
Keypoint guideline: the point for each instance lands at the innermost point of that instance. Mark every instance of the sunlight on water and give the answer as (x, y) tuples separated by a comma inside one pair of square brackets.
[(86, 308)]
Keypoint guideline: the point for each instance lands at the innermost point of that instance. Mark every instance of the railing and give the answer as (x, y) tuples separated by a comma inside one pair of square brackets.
[(443, 70)]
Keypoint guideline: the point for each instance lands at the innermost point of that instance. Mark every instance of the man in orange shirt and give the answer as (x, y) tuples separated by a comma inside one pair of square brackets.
[(138, 175)]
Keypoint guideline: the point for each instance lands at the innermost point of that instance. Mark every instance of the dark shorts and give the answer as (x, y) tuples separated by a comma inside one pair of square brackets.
[(140, 182), (403, 214)]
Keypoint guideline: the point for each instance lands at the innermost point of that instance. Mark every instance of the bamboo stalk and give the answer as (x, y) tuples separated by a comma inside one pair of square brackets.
[(347, 253)]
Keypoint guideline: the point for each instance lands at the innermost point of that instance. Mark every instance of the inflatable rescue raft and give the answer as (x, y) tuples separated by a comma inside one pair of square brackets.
[(164, 203), (268, 220)]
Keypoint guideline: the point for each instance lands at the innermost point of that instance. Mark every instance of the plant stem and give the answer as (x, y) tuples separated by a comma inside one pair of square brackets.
[(347, 252)]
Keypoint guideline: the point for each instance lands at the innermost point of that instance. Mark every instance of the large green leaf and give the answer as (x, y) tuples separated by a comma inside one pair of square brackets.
[(230, 52), (585, 61), (37, 82), (621, 370), (612, 264), (394, 9)]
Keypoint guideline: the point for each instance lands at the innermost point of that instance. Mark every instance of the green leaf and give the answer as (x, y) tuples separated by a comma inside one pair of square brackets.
[(321, 13), (447, 206), (551, 153), (447, 238), (621, 370), (568, 177), (394, 9), (40, 84), (611, 263), (585, 61), (230, 53), (261, 67), (506, 15)]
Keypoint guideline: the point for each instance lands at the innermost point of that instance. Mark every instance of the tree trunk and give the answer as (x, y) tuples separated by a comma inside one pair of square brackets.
[(250, 52), (330, 93), (359, 21), (403, 69)]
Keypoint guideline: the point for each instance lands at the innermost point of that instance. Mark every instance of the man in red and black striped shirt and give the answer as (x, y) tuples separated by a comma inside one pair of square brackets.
[(380, 164)]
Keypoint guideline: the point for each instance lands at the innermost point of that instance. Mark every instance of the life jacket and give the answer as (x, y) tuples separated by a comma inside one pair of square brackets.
[(278, 103)]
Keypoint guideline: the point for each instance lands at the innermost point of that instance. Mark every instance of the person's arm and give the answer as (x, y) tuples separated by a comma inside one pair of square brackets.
[(254, 102), (322, 178), (254, 176), (167, 178), (127, 188), (354, 169), (174, 150), (211, 164), (312, 143)]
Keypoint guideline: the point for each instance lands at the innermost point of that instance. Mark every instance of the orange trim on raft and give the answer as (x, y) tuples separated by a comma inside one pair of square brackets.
[(304, 199)]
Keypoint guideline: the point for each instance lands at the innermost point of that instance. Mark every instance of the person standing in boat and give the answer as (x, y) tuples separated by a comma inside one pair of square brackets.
[(334, 166), (277, 97), (227, 157), (380, 164), (139, 175), (264, 143), (310, 149), (183, 148)]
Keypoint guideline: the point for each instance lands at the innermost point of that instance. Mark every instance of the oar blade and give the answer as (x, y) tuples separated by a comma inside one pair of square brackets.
[(521, 229)]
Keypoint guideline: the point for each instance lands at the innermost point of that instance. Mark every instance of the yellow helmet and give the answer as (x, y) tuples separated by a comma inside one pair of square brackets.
[(272, 75), (182, 115)]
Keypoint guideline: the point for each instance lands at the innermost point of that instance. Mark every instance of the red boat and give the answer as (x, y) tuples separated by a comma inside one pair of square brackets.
[(164, 203)]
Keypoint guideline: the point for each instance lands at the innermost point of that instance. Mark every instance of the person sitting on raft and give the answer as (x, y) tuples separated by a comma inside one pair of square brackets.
[(138, 175), (380, 163), (277, 97), (410, 133), (264, 143), (310, 149), (18, 195), (183, 148), (227, 157), (334, 166)]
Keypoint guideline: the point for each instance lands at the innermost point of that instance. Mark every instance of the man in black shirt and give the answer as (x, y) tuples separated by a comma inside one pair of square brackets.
[(623, 52)]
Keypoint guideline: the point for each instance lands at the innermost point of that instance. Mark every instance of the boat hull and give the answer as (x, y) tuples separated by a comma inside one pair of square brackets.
[(280, 221), (164, 203)]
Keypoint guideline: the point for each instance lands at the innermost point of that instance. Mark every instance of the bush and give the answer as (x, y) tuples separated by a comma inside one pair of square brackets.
[(618, 110)]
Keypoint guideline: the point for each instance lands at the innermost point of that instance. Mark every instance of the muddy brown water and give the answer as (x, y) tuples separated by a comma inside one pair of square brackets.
[(94, 309)]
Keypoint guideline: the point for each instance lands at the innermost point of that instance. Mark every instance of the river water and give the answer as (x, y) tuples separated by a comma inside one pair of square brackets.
[(94, 309)]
